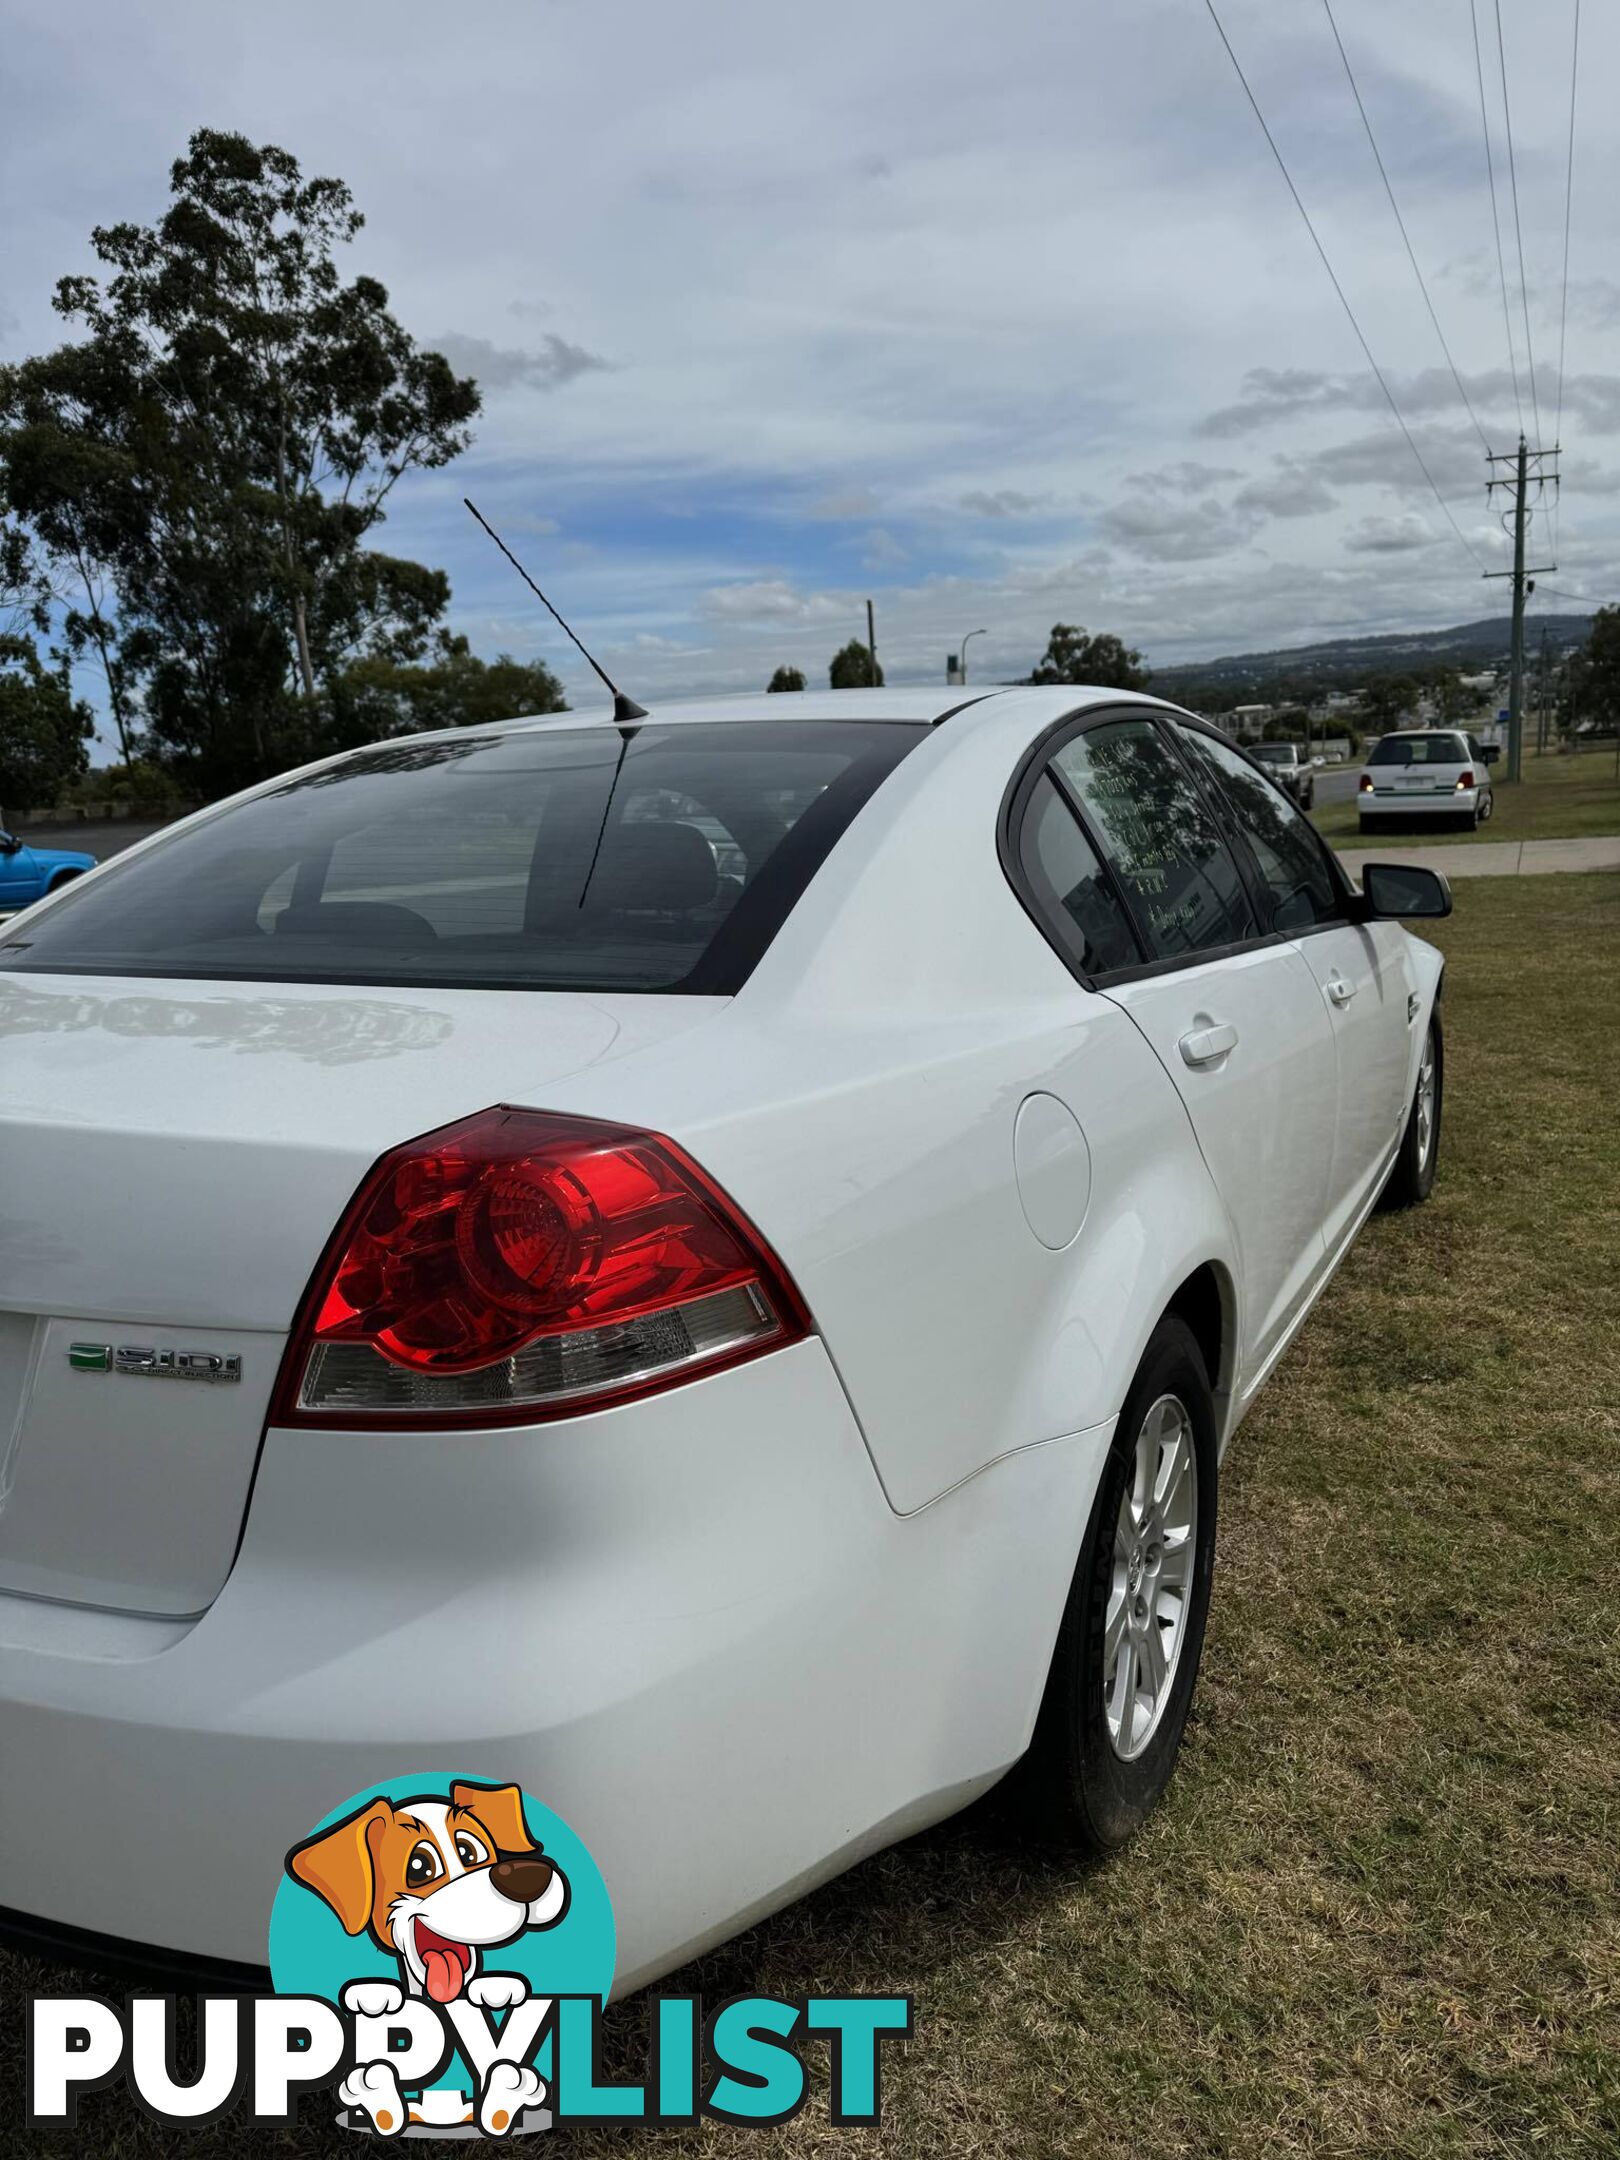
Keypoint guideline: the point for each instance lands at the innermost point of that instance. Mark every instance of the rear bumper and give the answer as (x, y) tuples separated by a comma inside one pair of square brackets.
[(692, 1626), (1454, 802)]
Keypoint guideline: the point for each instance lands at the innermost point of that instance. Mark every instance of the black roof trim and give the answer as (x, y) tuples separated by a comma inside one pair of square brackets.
[(951, 711)]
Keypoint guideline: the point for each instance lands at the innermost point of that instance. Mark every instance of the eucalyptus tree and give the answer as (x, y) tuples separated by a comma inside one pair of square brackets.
[(212, 452)]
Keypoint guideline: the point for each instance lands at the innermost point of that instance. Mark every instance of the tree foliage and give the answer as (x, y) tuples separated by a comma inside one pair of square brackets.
[(210, 455), (1287, 724), (1073, 655), (376, 695), (43, 727), (1454, 702), (138, 789), (853, 667), (25, 591), (1387, 700), (1595, 685), (787, 678)]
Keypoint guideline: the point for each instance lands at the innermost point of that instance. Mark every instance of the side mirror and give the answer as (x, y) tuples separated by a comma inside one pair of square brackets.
[(1490, 752), (9, 844), (1391, 891)]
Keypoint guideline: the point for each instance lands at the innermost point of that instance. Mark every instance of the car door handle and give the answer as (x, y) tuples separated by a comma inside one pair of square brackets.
[(1206, 1045), (1340, 991)]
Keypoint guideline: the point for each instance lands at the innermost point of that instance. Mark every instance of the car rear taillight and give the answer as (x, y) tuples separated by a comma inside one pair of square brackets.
[(1465, 778), (521, 1265), (1366, 783)]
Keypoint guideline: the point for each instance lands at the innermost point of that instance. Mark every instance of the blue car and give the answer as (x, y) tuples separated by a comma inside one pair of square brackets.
[(29, 873)]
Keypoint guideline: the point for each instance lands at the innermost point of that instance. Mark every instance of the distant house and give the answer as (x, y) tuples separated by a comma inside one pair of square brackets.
[(1249, 720)]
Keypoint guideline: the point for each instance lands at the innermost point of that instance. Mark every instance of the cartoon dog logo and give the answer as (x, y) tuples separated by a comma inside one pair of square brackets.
[(436, 1883)]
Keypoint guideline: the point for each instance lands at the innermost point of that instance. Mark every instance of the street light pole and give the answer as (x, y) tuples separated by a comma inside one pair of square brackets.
[(961, 658)]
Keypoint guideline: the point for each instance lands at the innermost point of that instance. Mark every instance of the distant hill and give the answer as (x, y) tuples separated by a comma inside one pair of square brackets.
[(1343, 663)]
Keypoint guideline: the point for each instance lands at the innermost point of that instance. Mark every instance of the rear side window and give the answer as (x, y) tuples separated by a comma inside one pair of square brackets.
[(1062, 865), (1153, 826), (1286, 851), (1419, 750), (564, 858)]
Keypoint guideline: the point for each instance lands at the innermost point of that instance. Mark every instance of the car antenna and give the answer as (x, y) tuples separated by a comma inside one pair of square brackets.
[(626, 712)]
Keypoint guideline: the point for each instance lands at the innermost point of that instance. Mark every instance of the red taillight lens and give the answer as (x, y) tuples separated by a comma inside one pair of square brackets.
[(1465, 778), (1366, 783), (520, 1265)]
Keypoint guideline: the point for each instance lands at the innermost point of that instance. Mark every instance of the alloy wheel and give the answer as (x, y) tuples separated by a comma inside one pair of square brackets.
[(1155, 1541), (1425, 1102)]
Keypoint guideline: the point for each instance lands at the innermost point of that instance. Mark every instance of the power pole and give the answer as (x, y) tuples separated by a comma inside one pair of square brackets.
[(1528, 465), (871, 643)]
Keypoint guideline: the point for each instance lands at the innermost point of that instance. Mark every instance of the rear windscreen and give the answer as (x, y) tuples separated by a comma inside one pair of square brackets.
[(664, 858), (1420, 750)]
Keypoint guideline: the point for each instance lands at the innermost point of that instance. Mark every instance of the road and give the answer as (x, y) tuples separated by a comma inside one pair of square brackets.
[(101, 839)]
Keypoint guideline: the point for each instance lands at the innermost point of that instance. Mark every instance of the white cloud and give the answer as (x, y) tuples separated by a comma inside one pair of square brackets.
[(854, 502), (1390, 535), (1187, 477), (1170, 532), (1001, 502), (1289, 492), (1587, 478), (497, 367), (770, 599), (880, 550)]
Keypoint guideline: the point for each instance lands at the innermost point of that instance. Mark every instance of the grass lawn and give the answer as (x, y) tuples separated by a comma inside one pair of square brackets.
[(1379, 1913), (1559, 798)]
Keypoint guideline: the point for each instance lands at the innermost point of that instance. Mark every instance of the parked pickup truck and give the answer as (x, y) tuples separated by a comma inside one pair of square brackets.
[(1290, 771)]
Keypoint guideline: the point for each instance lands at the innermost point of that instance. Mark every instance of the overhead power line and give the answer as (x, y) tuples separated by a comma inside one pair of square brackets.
[(1518, 234), (1299, 205), (1411, 257), (1496, 219), (1563, 301), (1569, 196)]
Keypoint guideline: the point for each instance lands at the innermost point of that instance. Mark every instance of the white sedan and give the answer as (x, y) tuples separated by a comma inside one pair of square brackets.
[(713, 1267)]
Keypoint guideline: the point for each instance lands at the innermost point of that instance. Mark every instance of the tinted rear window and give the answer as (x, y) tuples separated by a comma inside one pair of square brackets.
[(1420, 750), (567, 859)]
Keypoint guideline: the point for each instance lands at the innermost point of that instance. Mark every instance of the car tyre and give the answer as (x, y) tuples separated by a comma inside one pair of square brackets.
[(1087, 1783), (1412, 1179)]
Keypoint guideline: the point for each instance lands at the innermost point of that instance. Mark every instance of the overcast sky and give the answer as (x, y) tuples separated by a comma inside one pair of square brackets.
[(999, 314)]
